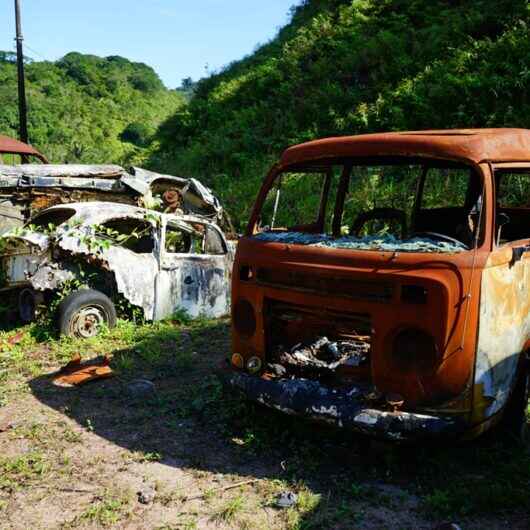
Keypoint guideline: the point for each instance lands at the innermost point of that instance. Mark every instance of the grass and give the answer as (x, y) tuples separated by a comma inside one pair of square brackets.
[(230, 510), (216, 438), (106, 510), (22, 471), (24, 355)]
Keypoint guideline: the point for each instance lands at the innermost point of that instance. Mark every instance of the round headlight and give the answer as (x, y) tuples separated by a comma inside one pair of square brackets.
[(244, 318), (415, 349), (254, 365), (238, 361)]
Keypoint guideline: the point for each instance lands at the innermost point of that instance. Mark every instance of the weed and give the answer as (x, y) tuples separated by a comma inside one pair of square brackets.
[(72, 436), (22, 471), (307, 500), (228, 512), (151, 457), (107, 510), (438, 502), (357, 490)]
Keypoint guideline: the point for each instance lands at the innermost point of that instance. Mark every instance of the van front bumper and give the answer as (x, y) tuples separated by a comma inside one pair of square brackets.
[(345, 408)]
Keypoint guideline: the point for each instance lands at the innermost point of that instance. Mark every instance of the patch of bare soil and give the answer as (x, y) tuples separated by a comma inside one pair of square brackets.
[(188, 454)]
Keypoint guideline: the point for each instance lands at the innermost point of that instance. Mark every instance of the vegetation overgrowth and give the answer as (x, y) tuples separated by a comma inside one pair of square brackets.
[(87, 109), (345, 67)]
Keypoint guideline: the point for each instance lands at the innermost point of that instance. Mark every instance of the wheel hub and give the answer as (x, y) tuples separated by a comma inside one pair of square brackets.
[(87, 322)]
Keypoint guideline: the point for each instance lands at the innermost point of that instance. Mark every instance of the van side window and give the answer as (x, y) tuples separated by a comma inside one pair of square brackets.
[(513, 205), (513, 190)]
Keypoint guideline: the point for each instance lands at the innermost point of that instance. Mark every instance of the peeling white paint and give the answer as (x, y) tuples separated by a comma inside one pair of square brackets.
[(158, 282), (504, 328)]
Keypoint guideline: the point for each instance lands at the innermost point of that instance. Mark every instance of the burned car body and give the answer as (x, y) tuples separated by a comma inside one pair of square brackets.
[(390, 295), (26, 189), (158, 262)]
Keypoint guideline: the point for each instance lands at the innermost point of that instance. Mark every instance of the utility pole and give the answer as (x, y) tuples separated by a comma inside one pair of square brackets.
[(22, 108)]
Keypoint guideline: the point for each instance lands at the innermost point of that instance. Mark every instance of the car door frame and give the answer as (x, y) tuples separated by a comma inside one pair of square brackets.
[(197, 283)]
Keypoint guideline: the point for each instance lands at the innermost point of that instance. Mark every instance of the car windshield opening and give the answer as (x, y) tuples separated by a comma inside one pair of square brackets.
[(396, 206)]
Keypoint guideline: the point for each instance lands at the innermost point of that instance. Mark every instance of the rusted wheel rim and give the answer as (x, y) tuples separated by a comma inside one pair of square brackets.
[(87, 322)]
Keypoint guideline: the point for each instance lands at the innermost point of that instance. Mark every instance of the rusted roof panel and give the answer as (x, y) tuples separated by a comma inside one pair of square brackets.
[(12, 146), (466, 145)]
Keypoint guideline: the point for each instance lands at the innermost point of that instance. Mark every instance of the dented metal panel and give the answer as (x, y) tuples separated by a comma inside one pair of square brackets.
[(134, 273), (30, 188), (504, 330), (344, 407)]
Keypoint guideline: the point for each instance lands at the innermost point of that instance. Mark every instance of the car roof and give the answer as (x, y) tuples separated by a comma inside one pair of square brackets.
[(99, 211), (86, 208), (11, 146), (461, 145)]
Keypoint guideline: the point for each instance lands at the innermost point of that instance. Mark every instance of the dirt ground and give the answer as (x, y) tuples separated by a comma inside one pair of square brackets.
[(192, 455)]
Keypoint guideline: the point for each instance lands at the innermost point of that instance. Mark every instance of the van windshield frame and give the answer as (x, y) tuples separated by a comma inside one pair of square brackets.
[(464, 185)]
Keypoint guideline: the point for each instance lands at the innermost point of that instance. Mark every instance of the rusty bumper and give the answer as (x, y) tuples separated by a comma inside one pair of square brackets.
[(345, 408)]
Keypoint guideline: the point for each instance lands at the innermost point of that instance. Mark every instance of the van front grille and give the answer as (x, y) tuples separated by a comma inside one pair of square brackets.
[(374, 291)]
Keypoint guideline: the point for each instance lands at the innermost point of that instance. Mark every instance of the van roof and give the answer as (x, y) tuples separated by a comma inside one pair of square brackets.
[(462, 145)]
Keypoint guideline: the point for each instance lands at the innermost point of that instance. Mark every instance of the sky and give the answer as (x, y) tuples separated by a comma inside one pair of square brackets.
[(178, 38)]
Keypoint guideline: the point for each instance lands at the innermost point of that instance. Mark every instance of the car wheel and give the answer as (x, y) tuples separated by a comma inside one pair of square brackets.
[(27, 306), (83, 313)]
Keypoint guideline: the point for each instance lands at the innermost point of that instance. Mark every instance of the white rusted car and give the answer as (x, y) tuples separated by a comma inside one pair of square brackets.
[(110, 253)]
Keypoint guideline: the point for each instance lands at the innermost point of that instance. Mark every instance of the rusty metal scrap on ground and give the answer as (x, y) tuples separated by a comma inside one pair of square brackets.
[(77, 373)]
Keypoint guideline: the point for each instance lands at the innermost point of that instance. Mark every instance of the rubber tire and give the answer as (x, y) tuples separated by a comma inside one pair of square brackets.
[(84, 298), (513, 424)]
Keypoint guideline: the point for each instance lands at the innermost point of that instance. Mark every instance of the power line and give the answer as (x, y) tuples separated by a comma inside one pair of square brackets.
[(34, 51)]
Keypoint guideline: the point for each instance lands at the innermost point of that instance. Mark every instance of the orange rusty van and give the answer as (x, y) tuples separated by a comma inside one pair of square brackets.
[(382, 284)]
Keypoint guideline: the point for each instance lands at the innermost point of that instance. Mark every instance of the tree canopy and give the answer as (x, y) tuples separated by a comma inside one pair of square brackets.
[(346, 67), (87, 109)]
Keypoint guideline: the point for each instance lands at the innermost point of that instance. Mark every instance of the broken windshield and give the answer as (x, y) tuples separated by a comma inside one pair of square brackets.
[(410, 207)]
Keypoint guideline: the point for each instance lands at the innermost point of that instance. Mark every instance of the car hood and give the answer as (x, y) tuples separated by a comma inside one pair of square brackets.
[(25, 243)]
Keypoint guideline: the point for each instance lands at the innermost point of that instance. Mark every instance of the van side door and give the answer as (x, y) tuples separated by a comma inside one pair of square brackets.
[(504, 320)]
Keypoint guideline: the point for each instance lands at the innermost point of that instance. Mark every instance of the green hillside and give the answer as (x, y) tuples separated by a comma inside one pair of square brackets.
[(88, 109), (343, 67)]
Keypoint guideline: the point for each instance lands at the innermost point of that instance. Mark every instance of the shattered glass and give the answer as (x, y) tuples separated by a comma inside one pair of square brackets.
[(387, 242)]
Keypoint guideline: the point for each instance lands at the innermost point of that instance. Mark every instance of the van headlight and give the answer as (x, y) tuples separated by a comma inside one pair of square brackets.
[(415, 350), (254, 365)]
